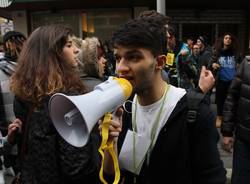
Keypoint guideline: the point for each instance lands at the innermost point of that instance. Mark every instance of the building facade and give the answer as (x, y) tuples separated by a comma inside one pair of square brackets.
[(101, 18)]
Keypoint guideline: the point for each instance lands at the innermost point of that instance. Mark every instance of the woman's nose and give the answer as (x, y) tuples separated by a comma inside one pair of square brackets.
[(76, 49)]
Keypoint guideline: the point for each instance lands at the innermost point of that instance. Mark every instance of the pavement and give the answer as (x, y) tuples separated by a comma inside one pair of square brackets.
[(225, 156)]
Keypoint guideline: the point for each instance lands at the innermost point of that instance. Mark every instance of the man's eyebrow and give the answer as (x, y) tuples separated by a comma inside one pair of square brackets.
[(132, 52), (129, 53)]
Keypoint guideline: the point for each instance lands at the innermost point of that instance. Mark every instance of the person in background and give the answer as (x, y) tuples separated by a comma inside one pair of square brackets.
[(190, 43), (47, 65), (205, 52), (225, 59), (192, 69), (154, 142), (109, 56), (93, 61), (176, 67), (12, 43), (235, 127)]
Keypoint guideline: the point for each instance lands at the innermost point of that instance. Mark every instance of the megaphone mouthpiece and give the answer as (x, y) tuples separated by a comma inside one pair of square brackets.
[(71, 116)]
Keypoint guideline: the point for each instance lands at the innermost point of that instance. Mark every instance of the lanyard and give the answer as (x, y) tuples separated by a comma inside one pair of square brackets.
[(155, 125)]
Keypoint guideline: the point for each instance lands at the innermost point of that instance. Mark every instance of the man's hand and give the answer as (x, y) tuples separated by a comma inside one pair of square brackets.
[(228, 144), (206, 81), (115, 126)]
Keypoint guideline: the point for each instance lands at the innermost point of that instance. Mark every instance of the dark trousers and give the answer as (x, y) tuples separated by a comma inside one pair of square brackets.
[(221, 94), (241, 162)]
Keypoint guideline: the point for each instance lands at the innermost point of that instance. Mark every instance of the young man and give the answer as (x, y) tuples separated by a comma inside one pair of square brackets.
[(155, 143)]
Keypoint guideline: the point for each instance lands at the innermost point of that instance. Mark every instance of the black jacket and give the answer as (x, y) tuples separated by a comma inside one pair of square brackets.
[(45, 158), (182, 154), (236, 114)]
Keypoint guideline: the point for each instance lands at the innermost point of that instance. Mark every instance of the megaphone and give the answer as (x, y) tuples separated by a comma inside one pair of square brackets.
[(75, 116)]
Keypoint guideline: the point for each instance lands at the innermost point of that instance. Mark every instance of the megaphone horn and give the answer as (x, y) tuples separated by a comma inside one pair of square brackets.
[(75, 116)]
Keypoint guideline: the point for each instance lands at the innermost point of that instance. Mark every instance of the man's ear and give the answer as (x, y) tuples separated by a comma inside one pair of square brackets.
[(161, 61)]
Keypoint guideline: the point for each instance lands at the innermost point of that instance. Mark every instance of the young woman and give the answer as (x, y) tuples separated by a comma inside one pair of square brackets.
[(47, 65), (225, 59)]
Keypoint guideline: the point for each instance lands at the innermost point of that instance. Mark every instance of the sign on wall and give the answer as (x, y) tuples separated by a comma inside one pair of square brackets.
[(5, 3)]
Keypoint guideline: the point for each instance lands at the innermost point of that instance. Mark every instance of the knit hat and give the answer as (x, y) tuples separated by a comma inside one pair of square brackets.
[(11, 35), (203, 39)]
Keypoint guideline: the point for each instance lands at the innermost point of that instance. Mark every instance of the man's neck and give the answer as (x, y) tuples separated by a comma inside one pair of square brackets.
[(152, 94)]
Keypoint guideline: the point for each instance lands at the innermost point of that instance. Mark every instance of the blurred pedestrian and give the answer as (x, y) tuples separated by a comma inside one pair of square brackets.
[(235, 126), (12, 44), (225, 59)]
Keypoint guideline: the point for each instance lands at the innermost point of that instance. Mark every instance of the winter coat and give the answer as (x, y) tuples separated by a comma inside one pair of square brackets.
[(7, 67), (182, 153), (236, 114)]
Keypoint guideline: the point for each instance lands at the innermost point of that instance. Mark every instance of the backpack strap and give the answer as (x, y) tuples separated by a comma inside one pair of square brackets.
[(193, 100)]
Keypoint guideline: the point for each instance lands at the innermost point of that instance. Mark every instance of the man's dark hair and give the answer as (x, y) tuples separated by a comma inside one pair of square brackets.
[(142, 34), (155, 16)]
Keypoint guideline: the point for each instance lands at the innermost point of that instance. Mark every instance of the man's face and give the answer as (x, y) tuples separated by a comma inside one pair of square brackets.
[(137, 65), (196, 49)]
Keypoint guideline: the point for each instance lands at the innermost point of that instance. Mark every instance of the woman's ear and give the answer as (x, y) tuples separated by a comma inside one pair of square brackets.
[(161, 61)]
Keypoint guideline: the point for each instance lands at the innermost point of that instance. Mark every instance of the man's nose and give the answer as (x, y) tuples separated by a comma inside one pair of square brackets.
[(122, 66)]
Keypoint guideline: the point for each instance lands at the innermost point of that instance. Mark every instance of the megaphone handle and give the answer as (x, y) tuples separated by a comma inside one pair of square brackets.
[(108, 145)]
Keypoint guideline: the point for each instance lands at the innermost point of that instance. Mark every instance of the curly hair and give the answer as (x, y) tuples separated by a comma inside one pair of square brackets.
[(12, 43), (234, 45), (155, 16), (41, 70)]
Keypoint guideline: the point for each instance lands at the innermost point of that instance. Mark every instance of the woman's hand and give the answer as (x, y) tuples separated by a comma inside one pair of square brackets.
[(14, 128), (215, 66)]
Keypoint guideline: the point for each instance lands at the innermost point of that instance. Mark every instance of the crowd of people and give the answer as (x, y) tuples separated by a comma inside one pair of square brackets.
[(156, 138)]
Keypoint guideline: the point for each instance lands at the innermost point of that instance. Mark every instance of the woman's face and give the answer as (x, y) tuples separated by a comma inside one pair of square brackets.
[(227, 40), (70, 53), (101, 62)]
